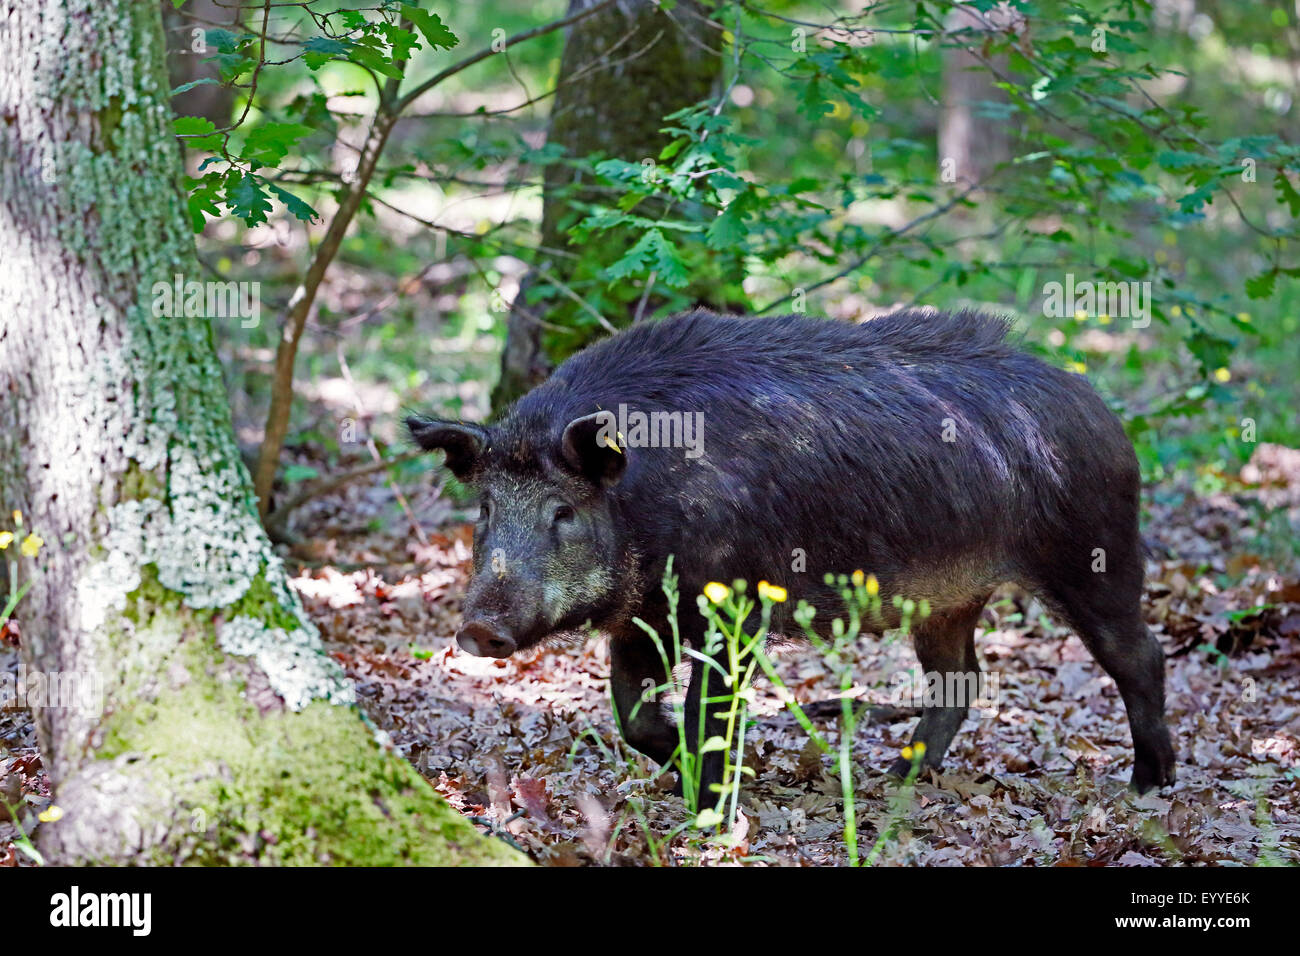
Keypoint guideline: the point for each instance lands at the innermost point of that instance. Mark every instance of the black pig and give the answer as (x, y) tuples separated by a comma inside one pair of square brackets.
[(920, 447)]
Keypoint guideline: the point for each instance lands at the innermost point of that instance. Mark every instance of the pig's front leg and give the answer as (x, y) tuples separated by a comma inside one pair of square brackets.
[(636, 671)]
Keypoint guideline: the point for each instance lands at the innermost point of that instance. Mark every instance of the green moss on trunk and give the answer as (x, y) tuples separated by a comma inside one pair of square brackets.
[(252, 782)]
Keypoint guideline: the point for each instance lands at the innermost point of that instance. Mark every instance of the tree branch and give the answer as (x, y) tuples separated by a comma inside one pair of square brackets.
[(486, 52), (386, 115), (277, 522)]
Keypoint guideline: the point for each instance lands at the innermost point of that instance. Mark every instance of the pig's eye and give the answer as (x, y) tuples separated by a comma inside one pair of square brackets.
[(564, 513)]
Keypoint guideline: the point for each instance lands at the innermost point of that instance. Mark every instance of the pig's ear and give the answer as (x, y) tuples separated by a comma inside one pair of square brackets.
[(591, 447), (463, 442)]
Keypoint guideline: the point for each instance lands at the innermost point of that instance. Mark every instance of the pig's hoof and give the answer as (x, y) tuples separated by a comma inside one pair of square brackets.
[(1146, 777)]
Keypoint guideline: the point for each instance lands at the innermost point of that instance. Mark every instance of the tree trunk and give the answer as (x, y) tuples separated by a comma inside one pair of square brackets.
[(970, 145), (623, 70), (185, 64), (222, 733)]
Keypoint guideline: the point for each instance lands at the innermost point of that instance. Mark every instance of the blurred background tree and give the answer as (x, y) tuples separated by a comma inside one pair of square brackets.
[(623, 70)]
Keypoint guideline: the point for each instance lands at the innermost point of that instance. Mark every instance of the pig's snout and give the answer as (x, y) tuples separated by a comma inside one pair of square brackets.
[(483, 640)]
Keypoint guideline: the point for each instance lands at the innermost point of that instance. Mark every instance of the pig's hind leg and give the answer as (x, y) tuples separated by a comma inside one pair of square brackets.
[(1105, 609), (945, 647)]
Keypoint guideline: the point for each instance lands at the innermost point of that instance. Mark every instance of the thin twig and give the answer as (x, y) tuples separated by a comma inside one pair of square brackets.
[(277, 522), (370, 444)]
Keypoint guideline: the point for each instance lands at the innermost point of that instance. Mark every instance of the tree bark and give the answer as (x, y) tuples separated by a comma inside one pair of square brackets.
[(222, 732), (972, 145), (623, 70)]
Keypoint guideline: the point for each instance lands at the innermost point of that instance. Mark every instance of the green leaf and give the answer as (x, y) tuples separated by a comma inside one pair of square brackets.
[(429, 24), (25, 845), (1197, 198), (192, 125), (672, 271), (202, 200), (194, 129), (651, 252), (270, 143), (707, 819), (1287, 192), (204, 81), (1212, 351), (813, 103), (297, 207), (1261, 286), (1173, 160), (728, 231), (247, 198), (1133, 268), (224, 40), (672, 149), (320, 50), (402, 42), (231, 65), (370, 57)]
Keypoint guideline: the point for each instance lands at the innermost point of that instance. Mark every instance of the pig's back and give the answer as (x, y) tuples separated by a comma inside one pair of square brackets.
[(918, 433)]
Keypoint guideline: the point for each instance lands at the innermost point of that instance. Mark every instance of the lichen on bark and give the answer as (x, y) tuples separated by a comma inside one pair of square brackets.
[(201, 533), (116, 441)]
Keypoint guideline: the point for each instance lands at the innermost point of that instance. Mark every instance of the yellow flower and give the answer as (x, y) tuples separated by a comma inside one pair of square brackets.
[(6, 539), (1222, 374), (873, 586), (919, 747), (772, 592), (32, 544), (858, 578), (1080, 315), (907, 753), (716, 591), (51, 814), (18, 518)]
